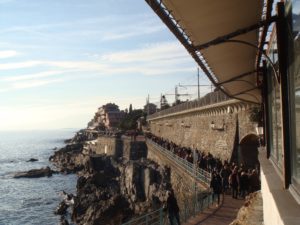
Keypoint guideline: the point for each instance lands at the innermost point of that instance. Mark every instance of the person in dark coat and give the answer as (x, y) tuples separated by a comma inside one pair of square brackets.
[(254, 181), (244, 184), (216, 185), (172, 208), (234, 182), (225, 173)]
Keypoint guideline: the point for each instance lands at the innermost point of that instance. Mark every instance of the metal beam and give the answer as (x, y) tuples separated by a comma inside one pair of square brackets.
[(236, 77), (264, 33), (238, 32), (243, 92)]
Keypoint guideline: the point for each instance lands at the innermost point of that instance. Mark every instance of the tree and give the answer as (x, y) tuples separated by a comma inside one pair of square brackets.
[(129, 122), (130, 108)]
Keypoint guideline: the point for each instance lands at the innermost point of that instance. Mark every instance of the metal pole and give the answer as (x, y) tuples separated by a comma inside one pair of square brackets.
[(198, 83)]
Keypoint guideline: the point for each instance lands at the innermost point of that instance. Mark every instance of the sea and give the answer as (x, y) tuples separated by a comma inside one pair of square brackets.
[(31, 200)]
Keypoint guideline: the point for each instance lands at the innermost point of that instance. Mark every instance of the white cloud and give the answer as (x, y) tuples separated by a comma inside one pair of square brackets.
[(7, 54), (28, 84), (37, 83), (33, 76), (19, 65)]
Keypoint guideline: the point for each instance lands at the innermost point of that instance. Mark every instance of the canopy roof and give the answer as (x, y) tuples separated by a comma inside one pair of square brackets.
[(207, 28)]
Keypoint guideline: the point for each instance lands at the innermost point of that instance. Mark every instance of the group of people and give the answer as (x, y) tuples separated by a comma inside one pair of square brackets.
[(237, 179), (226, 177)]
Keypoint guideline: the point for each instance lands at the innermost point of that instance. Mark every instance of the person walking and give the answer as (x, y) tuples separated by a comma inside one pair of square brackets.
[(234, 182), (172, 208), (216, 185)]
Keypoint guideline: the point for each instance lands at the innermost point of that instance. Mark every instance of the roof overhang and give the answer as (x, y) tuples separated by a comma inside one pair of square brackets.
[(223, 38)]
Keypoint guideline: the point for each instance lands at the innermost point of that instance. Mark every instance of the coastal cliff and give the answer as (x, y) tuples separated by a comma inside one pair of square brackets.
[(111, 189)]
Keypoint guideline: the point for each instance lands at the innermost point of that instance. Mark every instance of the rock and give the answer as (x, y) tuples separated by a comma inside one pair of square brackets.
[(63, 221), (61, 208), (252, 211), (35, 173), (32, 160)]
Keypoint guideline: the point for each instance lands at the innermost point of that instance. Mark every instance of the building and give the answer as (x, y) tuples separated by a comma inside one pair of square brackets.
[(230, 42), (109, 115)]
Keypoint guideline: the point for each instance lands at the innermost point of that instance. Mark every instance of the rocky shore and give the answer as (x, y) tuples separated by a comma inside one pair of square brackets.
[(110, 190)]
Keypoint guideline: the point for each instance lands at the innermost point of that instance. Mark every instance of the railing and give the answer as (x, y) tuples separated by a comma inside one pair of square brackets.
[(194, 204), (157, 217), (199, 174), (211, 98)]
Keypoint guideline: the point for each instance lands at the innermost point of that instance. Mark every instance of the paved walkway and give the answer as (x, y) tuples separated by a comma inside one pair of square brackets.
[(222, 215)]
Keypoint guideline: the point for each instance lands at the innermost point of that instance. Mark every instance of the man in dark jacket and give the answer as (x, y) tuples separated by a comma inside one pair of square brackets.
[(216, 185), (173, 209)]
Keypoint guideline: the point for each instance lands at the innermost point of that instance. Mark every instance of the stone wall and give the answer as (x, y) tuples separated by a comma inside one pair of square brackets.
[(120, 147), (182, 182), (193, 128)]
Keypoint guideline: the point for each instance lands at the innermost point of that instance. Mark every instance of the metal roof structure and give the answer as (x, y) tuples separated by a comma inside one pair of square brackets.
[(224, 37)]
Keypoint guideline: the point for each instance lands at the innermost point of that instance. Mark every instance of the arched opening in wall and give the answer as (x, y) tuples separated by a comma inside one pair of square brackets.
[(248, 151)]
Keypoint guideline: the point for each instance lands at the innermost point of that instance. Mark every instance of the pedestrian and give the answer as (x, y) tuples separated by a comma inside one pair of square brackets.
[(244, 183), (216, 185), (254, 181), (225, 173), (234, 182), (172, 208)]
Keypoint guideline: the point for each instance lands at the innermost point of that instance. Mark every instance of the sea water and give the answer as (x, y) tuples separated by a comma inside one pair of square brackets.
[(31, 200)]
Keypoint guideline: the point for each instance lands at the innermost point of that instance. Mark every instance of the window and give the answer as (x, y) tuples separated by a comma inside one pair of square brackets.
[(275, 129), (294, 74)]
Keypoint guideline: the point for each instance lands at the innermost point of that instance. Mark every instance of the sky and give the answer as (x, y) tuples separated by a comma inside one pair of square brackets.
[(62, 59)]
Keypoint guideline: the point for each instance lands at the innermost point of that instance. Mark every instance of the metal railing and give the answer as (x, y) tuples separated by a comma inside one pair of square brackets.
[(209, 99), (192, 205), (157, 217), (199, 174)]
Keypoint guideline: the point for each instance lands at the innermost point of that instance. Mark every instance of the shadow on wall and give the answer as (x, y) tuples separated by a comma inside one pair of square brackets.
[(138, 149), (248, 151)]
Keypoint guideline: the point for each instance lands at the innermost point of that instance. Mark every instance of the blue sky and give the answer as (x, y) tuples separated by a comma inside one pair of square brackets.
[(62, 59)]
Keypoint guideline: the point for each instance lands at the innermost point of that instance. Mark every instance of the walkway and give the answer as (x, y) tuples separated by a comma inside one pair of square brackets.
[(223, 215)]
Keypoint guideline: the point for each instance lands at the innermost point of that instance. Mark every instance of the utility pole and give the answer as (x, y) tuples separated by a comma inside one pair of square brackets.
[(198, 83), (176, 94), (148, 110)]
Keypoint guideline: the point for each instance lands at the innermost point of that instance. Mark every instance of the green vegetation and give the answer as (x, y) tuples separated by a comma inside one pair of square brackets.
[(129, 122)]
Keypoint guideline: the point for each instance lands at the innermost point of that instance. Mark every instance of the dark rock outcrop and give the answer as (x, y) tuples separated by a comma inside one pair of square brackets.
[(61, 209), (32, 160), (69, 159), (112, 192), (35, 173)]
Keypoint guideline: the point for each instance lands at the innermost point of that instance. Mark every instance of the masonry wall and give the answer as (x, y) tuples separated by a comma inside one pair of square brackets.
[(182, 183), (193, 129), (120, 147)]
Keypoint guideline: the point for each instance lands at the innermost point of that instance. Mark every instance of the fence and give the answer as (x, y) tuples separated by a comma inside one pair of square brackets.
[(192, 205), (199, 174), (157, 217), (211, 98)]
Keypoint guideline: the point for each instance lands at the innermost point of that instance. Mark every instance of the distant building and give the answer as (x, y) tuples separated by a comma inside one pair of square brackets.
[(109, 115)]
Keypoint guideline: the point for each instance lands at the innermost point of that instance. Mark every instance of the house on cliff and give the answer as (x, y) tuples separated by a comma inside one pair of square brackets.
[(229, 41), (109, 115)]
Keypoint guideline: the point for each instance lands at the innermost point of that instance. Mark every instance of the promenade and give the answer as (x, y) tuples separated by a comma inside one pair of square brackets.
[(222, 215)]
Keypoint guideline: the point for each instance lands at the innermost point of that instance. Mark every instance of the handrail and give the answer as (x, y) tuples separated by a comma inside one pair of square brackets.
[(209, 99), (156, 217), (193, 205), (199, 174)]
